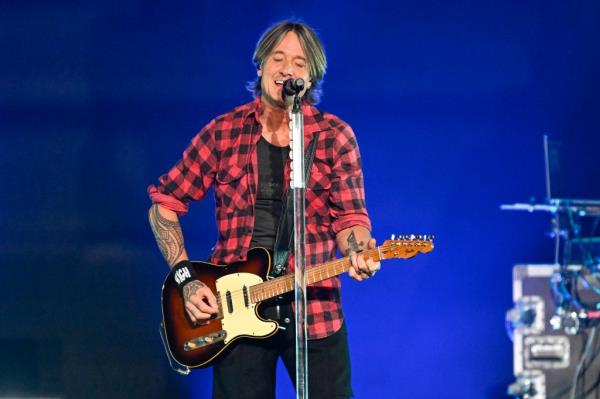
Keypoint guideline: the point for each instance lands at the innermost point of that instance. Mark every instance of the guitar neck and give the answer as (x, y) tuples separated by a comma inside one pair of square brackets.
[(281, 285)]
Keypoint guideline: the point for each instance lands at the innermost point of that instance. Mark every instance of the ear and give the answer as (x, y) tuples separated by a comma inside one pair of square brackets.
[(259, 72)]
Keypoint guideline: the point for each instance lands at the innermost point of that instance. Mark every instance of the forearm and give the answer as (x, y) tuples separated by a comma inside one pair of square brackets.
[(167, 231), (353, 239)]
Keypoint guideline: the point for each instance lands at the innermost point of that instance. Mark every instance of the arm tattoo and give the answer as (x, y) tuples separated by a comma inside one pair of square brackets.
[(168, 235), (190, 289), (353, 245)]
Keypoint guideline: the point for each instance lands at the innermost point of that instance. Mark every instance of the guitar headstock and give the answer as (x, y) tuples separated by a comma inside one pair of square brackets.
[(406, 246)]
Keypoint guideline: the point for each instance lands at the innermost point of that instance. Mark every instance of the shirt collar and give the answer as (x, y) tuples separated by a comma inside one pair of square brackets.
[(314, 120)]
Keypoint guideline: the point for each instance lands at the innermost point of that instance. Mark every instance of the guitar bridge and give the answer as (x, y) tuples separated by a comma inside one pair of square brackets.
[(204, 340)]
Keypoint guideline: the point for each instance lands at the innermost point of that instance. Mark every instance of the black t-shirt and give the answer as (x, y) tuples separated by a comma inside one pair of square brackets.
[(271, 161)]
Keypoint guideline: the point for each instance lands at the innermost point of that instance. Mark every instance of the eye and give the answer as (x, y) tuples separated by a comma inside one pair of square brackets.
[(300, 64)]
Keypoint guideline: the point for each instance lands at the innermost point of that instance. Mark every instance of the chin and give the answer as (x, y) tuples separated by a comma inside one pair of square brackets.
[(274, 101)]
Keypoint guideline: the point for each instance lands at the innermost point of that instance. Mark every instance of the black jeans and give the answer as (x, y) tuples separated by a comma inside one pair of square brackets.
[(248, 370)]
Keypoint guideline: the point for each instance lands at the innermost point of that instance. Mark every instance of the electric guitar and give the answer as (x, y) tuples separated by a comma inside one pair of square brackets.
[(240, 288)]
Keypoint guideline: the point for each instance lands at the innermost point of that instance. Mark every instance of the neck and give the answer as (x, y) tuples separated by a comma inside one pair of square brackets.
[(274, 117), (283, 284)]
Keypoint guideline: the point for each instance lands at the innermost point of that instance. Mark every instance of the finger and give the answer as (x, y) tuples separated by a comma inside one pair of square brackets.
[(362, 266), (353, 261), (196, 321), (206, 308), (191, 311), (372, 243), (205, 300), (212, 300), (355, 275), (190, 315), (197, 313), (373, 266)]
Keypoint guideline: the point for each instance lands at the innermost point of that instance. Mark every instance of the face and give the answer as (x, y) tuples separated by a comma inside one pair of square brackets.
[(287, 60)]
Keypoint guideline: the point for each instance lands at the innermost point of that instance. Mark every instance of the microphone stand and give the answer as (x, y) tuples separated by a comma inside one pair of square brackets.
[(298, 189)]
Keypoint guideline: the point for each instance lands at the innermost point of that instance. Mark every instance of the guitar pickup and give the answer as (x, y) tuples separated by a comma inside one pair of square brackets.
[(205, 340)]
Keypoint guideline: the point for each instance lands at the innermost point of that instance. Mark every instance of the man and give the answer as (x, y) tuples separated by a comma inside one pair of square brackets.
[(243, 154)]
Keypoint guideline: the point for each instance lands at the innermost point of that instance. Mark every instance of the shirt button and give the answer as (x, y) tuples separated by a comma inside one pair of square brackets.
[(286, 320)]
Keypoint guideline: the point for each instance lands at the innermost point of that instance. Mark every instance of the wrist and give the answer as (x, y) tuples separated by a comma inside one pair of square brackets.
[(183, 273)]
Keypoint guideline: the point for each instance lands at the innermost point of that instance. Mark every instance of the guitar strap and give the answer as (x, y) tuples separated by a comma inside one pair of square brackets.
[(284, 235)]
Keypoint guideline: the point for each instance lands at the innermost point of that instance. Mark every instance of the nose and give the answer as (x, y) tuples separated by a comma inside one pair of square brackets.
[(287, 69)]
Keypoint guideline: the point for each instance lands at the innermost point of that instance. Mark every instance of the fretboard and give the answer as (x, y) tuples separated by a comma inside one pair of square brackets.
[(283, 284)]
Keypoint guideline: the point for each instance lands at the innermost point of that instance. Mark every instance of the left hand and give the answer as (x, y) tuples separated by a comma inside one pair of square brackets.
[(361, 269)]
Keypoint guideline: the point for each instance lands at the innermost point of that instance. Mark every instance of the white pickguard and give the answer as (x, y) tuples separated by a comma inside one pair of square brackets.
[(243, 320)]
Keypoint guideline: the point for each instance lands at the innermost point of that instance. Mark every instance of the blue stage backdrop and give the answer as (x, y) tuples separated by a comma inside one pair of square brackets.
[(449, 101)]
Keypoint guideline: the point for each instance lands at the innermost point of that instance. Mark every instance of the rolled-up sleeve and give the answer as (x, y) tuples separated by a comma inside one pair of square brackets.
[(347, 195), (191, 177)]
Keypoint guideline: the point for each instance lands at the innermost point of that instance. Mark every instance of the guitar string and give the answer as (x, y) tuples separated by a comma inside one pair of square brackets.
[(283, 282), (274, 286), (254, 292)]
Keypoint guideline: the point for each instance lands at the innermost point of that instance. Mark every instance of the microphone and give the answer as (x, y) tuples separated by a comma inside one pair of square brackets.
[(292, 87)]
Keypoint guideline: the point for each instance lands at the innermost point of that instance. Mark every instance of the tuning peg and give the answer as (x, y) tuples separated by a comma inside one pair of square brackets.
[(392, 237)]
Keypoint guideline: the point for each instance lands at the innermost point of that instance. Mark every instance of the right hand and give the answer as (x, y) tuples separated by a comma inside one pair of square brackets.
[(200, 302)]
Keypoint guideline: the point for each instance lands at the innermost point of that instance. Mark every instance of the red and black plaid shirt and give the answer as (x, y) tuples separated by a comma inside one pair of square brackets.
[(223, 155)]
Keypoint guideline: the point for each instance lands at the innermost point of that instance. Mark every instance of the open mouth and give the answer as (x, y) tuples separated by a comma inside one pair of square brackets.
[(279, 82)]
